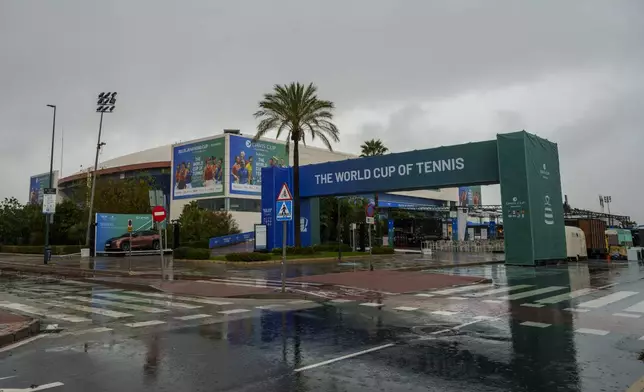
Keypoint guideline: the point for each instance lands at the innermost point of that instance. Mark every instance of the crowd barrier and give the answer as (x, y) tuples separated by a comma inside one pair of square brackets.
[(464, 246)]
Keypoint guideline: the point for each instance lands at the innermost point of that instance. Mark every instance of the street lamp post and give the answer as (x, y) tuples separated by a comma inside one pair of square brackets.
[(106, 103), (47, 249)]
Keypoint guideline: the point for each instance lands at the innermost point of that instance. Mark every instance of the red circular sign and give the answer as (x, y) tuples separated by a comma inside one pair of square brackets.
[(370, 210), (158, 214)]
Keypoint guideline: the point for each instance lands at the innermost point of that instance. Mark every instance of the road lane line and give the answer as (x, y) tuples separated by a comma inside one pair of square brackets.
[(463, 289), (330, 361), (492, 301), (607, 299), (145, 323), (532, 293), (372, 304), (42, 312), (564, 297), (113, 304), (577, 310), (168, 303), (90, 292), (198, 300), (86, 331), (627, 315), (533, 305), (444, 313), (458, 298), (20, 343), (637, 308), (341, 301), (424, 295), (607, 286), (38, 388), (590, 331), (89, 309), (193, 317), (535, 324), (406, 308), (233, 311), (499, 290)]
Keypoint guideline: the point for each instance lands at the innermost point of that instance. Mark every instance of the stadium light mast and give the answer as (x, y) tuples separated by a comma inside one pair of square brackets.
[(106, 103)]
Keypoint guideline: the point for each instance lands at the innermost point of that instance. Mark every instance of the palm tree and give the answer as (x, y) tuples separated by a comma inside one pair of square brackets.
[(372, 148), (296, 110)]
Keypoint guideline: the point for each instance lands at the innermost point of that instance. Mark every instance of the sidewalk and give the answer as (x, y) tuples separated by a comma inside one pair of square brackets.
[(14, 328)]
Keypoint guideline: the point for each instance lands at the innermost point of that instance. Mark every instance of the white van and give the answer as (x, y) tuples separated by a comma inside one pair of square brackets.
[(576, 243)]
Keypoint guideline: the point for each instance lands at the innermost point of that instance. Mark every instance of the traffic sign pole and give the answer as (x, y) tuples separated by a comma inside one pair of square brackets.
[(370, 211), (159, 214), (284, 233), (284, 209)]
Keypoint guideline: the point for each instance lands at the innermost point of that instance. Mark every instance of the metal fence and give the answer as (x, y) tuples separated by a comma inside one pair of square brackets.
[(464, 246)]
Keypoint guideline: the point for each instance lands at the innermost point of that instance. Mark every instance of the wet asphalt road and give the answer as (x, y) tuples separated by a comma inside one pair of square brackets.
[(483, 346)]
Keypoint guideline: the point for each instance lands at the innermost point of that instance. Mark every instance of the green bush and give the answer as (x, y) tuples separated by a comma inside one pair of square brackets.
[(205, 244), (382, 250), (248, 256), (308, 250), (39, 249), (331, 247), (191, 253)]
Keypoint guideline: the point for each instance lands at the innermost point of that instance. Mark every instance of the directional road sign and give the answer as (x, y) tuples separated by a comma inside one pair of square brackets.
[(284, 210)]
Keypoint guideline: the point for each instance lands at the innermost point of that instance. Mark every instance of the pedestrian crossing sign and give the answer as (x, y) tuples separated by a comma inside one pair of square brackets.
[(284, 210)]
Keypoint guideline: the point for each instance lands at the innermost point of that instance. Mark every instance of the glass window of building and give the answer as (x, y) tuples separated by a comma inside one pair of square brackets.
[(212, 204), (247, 205)]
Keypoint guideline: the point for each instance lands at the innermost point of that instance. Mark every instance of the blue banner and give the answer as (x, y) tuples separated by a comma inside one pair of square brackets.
[(217, 242), (442, 167), (247, 158)]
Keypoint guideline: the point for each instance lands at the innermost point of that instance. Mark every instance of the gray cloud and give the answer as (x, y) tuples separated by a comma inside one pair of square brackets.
[(189, 69)]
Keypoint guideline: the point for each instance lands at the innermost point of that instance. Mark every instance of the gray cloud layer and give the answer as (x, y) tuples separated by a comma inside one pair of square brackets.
[(189, 69)]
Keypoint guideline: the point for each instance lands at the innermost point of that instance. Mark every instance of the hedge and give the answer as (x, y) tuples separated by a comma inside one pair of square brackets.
[(248, 256), (191, 253), (295, 251), (382, 250), (205, 244), (40, 249), (331, 247)]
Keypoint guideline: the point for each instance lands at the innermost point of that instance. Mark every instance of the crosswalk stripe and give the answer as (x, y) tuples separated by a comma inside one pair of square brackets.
[(268, 307), (564, 297), (88, 309), (533, 305), (500, 290), (424, 295), (463, 289), (99, 301), (193, 317), (627, 315), (42, 312), (492, 301), (531, 293), (128, 298), (97, 291), (371, 304), (145, 323), (253, 280), (85, 331), (301, 301), (637, 308), (535, 324), (180, 298), (406, 308), (457, 298), (607, 299), (589, 331), (444, 313), (233, 311), (341, 301), (577, 310)]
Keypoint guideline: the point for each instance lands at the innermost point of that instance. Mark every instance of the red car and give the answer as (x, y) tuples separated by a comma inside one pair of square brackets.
[(141, 240)]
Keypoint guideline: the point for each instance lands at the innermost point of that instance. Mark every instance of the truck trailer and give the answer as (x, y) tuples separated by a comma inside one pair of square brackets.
[(595, 231)]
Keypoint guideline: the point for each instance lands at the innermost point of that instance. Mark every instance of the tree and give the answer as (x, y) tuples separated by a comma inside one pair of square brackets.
[(200, 224), (296, 110), (372, 148)]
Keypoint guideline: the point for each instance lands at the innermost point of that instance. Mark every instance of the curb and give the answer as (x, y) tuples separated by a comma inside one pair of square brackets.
[(431, 267), (312, 260), (31, 329)]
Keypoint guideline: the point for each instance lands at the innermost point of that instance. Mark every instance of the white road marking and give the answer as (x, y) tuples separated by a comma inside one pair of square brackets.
[(463, 289), (42, 312), (170, 304), (500, 290), (535, 324), (642, 338), (91, 330), (301, 301), (564, 297), (278, 282), (406, 308), (233, 311), (145, 323), (493, 301), (343, 357), (424, 295), (341, 301), (637, 308), (97, 291), (607, 299), (198, 300), (484, 318), (533, 305), (531, 293), (457, 298), (18, 344), (627, 315), (607, 286), (577, 310), (6, 378), (268, 307), (99, 301), (38, 388), (589, 331), (193, 317), (89, 309), (444, 313), (372, 304)]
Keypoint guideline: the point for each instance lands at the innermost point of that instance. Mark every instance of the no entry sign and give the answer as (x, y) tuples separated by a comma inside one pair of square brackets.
[(158, 214)]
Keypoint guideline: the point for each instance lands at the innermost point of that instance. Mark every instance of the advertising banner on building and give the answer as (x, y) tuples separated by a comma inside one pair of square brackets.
[(469, 196), (247, 158), (198, 169), (37, 185), (111, 232)]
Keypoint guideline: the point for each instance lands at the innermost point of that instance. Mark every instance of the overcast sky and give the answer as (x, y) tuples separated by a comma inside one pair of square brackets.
[(416, 74)]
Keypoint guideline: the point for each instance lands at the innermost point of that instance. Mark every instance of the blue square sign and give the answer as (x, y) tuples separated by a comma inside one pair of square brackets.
[(284, 211)]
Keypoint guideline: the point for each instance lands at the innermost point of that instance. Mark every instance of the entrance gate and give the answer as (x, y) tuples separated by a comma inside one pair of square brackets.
[(526, 166)]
